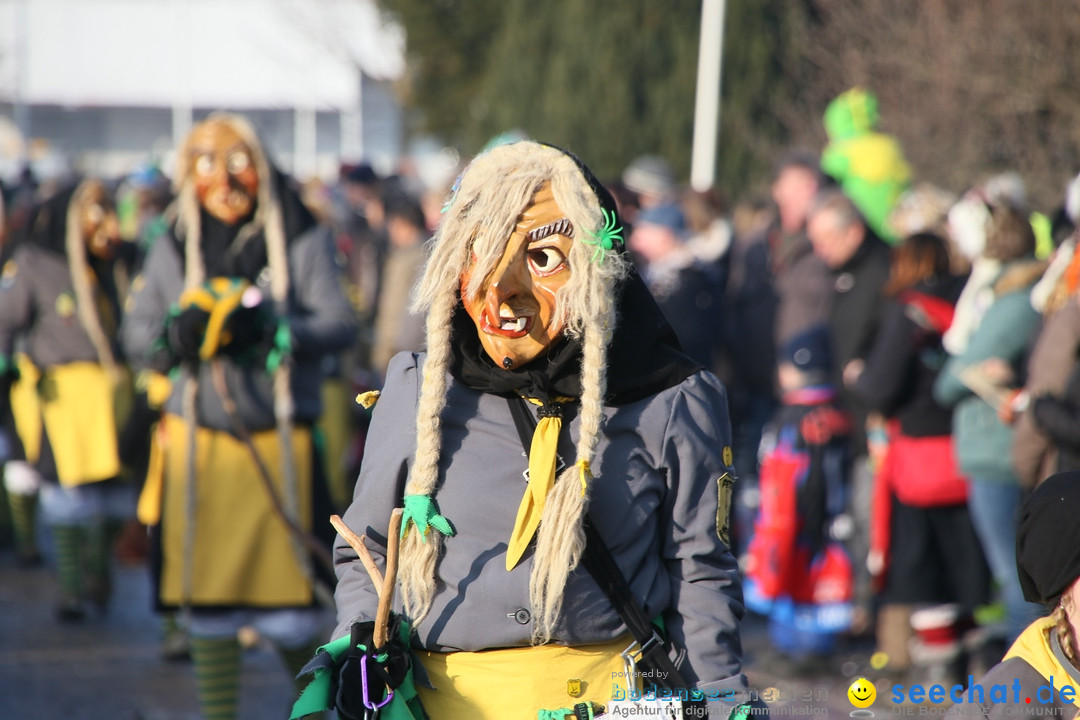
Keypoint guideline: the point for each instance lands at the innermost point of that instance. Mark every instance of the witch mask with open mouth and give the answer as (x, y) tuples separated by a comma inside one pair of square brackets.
[(515, 308)]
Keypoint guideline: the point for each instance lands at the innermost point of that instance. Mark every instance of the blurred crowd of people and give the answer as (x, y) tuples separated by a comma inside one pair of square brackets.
[(901, 366)]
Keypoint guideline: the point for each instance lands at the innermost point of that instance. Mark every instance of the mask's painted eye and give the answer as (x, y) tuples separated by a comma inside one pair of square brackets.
[(204, 164), (238, 162), (546, 260)]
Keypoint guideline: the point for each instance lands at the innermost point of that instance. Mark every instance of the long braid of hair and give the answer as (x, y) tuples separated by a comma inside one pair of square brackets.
[(187, 222), (278, 261), (560, 539), (419, 553), (194, 275), (1064, 632), (84, 294)]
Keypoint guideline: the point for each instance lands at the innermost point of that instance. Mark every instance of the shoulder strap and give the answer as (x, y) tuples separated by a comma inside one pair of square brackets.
[(598, 560)]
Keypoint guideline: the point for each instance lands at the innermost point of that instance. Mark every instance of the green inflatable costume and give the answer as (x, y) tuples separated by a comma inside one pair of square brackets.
[(869, 166)]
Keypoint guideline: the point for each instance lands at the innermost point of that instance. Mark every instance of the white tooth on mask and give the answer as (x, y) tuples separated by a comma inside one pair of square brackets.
[(514, 325)]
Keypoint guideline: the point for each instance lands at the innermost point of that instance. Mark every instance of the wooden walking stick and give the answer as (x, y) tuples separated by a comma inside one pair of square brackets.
[(384, 584), (386, 597), (356, 542)]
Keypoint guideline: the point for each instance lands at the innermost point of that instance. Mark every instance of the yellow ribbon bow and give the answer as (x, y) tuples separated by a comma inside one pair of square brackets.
[(543, 456)]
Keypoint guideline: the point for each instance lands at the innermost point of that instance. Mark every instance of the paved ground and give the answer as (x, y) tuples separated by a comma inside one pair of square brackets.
[(109, 668), (106, 668)]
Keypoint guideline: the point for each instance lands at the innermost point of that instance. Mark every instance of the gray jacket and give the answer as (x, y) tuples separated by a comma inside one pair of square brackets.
[(654, 500), (36, 298), (320, 318)]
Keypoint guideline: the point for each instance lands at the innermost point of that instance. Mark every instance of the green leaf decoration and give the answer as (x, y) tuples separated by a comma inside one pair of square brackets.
[(422, 511), (282, 346)]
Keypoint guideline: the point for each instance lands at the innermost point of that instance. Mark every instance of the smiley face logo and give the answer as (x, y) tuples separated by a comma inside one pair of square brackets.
[(862, 693)]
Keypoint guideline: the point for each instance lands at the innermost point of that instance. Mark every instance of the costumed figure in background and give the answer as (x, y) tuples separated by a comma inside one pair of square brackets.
[(868, 165), (1040, 673), (58, 296), (240, 302), (546, 354), (798, 571)]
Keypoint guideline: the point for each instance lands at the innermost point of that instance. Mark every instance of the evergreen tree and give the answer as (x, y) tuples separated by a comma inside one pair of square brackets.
[(448, 43), (607, 79)]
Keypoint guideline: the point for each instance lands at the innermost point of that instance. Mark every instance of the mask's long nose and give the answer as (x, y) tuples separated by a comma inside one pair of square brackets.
[(508, 280)]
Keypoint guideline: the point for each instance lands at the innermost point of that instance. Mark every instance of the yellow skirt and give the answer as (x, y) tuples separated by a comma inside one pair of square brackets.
[(242, 553), (82, 408), (514, 683)]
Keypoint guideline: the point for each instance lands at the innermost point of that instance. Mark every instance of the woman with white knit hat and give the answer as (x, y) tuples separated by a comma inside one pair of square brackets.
[(534, 312)]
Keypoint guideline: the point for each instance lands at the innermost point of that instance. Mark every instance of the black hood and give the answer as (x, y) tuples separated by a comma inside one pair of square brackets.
[(46, 226)]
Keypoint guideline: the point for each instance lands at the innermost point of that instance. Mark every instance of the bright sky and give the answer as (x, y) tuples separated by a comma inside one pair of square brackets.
[(210, 53)]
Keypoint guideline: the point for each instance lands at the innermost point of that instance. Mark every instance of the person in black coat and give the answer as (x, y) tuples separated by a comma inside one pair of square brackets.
[(859, 262)]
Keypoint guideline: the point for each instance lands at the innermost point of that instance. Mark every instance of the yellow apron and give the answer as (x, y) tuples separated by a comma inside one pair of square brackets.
[(243, 553), (81, 409), (513, 683)]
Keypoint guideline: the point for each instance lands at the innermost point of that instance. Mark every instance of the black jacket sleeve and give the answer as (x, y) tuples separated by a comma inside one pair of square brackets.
[(1059, 417), (888, 363)]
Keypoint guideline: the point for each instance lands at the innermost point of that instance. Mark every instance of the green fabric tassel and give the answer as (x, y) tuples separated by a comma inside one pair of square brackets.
[(405, 705), (422, 511), (282, 346), (559, 714)]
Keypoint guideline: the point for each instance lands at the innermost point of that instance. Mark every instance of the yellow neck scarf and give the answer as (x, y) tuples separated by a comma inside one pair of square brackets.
[(543, 456)]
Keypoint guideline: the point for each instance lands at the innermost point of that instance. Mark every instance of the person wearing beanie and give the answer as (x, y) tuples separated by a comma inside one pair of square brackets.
[(798, 572), (651, 178), (60, 297), (241, 301), (1041, 670), (552, 393), (687, 293)]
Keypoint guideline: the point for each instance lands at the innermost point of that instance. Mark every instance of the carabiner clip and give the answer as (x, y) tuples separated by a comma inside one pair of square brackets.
[(374, 707)]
